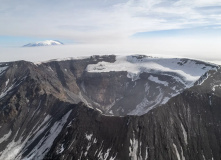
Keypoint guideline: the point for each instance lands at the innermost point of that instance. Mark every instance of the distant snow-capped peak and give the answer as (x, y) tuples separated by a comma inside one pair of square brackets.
[(44, 43)]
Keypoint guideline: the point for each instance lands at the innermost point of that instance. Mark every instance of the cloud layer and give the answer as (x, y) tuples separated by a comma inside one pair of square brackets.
[(102, 20)]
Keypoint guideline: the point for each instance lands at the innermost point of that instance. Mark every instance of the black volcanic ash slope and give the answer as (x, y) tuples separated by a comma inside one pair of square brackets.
[(187, 127), (43, 117)]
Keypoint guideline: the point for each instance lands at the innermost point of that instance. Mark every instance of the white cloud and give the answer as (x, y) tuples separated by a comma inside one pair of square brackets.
[(102, 21), (199, 3), (193, 48)]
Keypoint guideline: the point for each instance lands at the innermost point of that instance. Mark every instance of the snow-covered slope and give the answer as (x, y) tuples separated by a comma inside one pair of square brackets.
[(188, 71), (44, 43)]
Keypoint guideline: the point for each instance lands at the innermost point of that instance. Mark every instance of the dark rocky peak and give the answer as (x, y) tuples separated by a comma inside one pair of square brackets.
[(187, 127), (45, 110)]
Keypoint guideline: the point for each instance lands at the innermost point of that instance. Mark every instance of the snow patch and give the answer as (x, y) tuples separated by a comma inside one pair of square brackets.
[(111, 112), (105, 155), (44, 145), (146, 154), (61, 149), (2, 69), (50, 69), (184, 134), (215, 86), (6, 83), (156, 80), (203, 156), (8, 89), (203, 78), (88, 136), (177, 153), (99, 110), (95, 140), (133, 149), (5, 137), (11, 152), (87, 149)]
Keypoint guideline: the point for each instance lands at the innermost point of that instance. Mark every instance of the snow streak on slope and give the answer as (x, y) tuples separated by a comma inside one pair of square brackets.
[(2, 69), (46, 142), (5, 137), (188, 70), (14, 85), (16, 148), (155, 79)]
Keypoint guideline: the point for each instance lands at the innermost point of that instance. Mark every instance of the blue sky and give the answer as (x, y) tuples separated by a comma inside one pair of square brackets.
[(190, 23)]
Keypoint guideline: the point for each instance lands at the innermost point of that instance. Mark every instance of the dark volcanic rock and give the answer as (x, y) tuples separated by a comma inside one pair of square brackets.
[(187, 127), (45, 114)]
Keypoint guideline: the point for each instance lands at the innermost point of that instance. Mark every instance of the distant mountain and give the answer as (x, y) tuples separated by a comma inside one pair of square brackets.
[(44, 43)]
